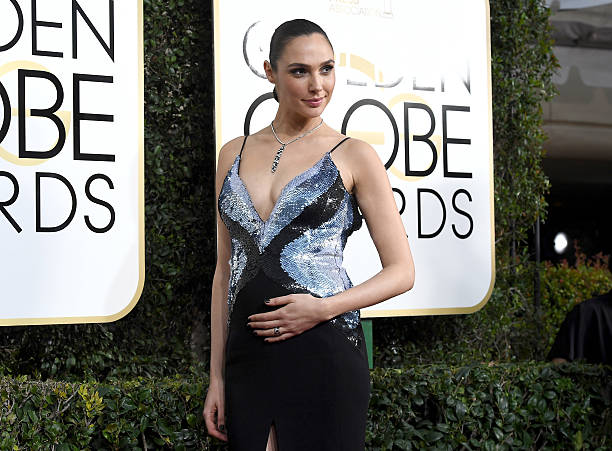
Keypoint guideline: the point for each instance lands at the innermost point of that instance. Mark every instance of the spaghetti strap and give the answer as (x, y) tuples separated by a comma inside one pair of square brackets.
[(243, 142), (241, 149), (338, 145)]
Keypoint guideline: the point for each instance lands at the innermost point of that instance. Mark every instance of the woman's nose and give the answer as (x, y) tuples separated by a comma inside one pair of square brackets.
[(316, 83)]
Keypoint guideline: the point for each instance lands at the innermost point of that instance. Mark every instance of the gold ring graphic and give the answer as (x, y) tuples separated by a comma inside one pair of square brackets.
[(65, 116), (367, 68)]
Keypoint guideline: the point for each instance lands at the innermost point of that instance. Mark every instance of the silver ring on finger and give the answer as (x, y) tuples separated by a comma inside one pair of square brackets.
[(277, 331)]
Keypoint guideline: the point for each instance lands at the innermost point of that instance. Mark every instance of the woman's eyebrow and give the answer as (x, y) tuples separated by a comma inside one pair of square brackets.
[(306, 65)]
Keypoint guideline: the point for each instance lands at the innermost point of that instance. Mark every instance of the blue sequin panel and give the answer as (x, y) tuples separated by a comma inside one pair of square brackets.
[(314, 259)]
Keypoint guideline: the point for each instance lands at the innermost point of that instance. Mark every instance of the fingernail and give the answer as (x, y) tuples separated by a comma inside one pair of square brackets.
[(267, 301), (221, 427), (254, 332), (248, 324)]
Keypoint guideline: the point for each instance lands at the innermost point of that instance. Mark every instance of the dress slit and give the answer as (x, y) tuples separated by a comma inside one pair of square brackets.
[(275, 441)]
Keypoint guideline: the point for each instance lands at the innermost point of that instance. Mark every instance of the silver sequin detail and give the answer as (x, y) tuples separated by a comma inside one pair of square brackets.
[(296, 195), (237, 262), (235, 202)]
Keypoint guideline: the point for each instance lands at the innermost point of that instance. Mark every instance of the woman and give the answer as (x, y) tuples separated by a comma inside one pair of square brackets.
[(288, 361)]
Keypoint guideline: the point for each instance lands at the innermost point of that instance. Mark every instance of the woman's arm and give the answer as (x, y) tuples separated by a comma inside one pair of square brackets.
[(214, 406), (220, 284), (376, 201), (218, 309)]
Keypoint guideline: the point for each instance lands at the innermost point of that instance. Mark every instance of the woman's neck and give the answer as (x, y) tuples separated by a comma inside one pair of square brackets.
[(289, 127)]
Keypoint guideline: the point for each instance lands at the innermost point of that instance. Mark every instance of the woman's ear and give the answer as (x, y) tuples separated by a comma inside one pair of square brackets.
[(269, 72)]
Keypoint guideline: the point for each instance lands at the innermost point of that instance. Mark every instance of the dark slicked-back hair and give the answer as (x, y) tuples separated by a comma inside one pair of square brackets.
[(289, 30)]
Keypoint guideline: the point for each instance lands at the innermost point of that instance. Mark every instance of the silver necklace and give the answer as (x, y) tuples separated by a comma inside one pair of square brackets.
[(283, 145)]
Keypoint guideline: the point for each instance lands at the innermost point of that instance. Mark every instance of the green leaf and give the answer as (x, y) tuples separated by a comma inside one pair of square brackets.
[(460, 410), (433, 436), (499, 435), (191, 420), (32, 416)]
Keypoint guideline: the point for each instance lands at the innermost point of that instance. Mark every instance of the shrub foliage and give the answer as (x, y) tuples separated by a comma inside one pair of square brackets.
[(525, 406)]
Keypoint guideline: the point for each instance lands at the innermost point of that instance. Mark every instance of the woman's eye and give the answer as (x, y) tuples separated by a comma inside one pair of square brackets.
[(327, 69), (298, 71)]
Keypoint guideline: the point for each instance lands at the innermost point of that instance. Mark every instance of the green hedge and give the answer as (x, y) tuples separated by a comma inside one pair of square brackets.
[(522, 65), (527, 405), (520, 406)]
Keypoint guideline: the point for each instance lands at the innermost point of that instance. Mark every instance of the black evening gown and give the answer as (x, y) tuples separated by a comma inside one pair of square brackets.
[(314, 387)]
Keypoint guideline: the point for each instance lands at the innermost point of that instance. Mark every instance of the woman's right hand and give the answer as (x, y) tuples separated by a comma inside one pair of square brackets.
[(214, 410)]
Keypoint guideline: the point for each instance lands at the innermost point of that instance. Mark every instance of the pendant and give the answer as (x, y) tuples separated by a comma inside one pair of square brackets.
[(277, 157)]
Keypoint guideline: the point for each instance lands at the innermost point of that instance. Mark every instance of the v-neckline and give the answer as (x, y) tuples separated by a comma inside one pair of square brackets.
[(282, 193)]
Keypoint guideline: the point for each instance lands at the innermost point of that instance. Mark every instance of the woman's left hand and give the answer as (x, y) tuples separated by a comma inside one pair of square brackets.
[(299, 313)]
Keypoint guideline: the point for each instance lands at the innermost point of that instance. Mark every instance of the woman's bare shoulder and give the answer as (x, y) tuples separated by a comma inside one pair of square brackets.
[(228, 152), (359, 153), (231, 148)]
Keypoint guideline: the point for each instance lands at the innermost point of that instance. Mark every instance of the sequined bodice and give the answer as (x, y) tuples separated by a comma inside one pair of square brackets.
[(301, 244)]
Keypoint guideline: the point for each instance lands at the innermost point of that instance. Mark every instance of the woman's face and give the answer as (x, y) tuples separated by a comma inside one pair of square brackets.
[(304, 75)]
